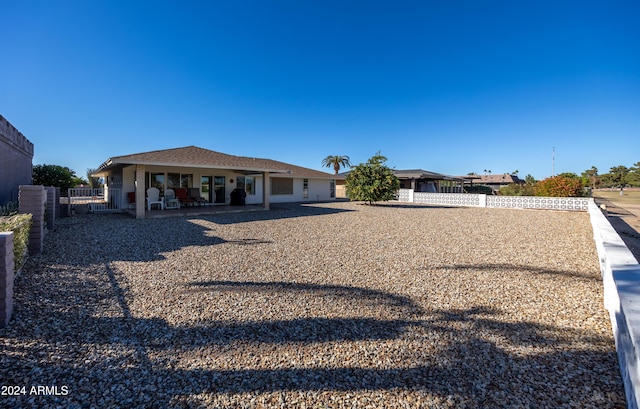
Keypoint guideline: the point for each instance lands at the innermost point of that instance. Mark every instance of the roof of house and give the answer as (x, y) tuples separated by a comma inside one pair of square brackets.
[(422, 174), (193, 156), (414, 174), (496, 179)]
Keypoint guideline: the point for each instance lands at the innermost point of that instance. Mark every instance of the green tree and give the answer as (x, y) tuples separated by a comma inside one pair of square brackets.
[(569, 175), (591, 175), (336, 161), (93, 182), (530, 180), (372, 181), (633, 178), (55, 175), (619, 175)]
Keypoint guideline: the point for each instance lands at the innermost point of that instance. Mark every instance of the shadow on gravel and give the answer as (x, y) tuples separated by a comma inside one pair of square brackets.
[(520, 267), (481, 359), (277, 211), (83, 335)]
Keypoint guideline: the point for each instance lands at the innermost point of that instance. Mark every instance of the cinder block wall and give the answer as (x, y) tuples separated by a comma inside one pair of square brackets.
[(33, 200), (16, 155), (53, 207), (6, 277)]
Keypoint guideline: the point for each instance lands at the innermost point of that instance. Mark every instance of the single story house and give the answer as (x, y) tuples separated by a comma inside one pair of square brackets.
[(212, 176), (417, 179), (425, 181), (495, 182)]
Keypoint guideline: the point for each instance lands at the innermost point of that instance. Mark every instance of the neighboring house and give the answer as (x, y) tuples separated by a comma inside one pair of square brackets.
[(419, 180), (213, 175), (16, 167), (424, 181), (495, 182)]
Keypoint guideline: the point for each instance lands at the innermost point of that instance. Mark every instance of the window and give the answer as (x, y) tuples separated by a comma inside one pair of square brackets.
[(305, 188), (173, 180), (157, 181), (240, 182), (186, 181), (281, 186), (332, 188)]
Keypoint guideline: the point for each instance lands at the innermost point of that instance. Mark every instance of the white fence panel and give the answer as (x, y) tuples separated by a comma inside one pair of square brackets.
[(448, 199), (580, 204), (534, 202), (97, 199)]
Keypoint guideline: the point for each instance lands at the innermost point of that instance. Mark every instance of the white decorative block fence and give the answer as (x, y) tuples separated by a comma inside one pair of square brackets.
[(580, 204), (621, 281), (620, 270), (448, 199), (481, 200)]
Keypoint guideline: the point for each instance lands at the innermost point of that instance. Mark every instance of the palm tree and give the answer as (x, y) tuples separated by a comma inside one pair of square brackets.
[(336, 161)]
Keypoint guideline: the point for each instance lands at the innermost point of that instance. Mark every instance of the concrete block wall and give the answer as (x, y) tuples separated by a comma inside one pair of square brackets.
[(6, 277), (53, 207), (16, 155), (33, 200)]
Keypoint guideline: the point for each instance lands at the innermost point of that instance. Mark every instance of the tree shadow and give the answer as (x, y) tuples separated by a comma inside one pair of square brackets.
[(76, 328), (482, 360), (521, 267)]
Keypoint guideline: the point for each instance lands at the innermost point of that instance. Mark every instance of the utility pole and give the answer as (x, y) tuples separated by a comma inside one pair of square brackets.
[(553, 161)]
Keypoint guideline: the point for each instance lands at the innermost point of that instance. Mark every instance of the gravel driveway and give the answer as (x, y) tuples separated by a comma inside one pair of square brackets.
[(325, 305)]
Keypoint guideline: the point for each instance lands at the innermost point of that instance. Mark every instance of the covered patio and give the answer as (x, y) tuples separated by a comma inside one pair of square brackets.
[(207, 178)]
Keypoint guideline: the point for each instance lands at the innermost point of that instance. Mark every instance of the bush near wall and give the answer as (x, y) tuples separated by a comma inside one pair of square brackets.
[(20, 225), (516, 189), (559, 186)]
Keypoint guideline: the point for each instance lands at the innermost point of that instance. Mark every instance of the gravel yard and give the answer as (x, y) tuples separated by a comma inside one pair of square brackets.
[(325, 305)]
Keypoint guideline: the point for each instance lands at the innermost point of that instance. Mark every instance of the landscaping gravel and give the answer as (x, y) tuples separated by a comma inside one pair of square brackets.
[(327, 305)]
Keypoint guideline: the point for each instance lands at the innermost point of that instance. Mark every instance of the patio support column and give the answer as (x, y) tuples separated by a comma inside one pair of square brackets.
[(266, 189), (140, 183)]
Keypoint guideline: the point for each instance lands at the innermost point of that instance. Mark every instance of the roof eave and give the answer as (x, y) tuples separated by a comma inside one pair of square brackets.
[(112, 163)]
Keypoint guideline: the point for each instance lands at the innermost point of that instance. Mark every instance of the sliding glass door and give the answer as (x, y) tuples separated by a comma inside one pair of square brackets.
[(219, 189), (205, 188)]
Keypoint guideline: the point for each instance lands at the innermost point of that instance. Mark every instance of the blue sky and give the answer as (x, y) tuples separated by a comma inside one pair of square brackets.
[(447, 86)]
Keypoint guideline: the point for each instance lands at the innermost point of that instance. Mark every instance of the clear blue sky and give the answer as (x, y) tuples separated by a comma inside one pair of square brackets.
[(447, 86)]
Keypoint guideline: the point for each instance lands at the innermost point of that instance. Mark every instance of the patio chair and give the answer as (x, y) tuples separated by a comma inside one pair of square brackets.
[(181, 194), (170, 201), (194, 193), (153, 197)]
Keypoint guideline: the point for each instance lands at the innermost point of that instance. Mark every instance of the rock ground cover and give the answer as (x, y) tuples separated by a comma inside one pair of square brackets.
[(324, 305)]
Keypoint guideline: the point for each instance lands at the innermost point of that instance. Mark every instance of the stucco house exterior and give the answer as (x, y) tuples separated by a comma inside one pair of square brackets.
[(213, 176), (16, 156), (421, 180)]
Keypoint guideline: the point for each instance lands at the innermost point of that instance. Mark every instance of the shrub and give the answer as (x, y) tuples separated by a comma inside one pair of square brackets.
[(478, 189), (559, 186), (516, 189), (9, 209), (20, 225), (372, 181)]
